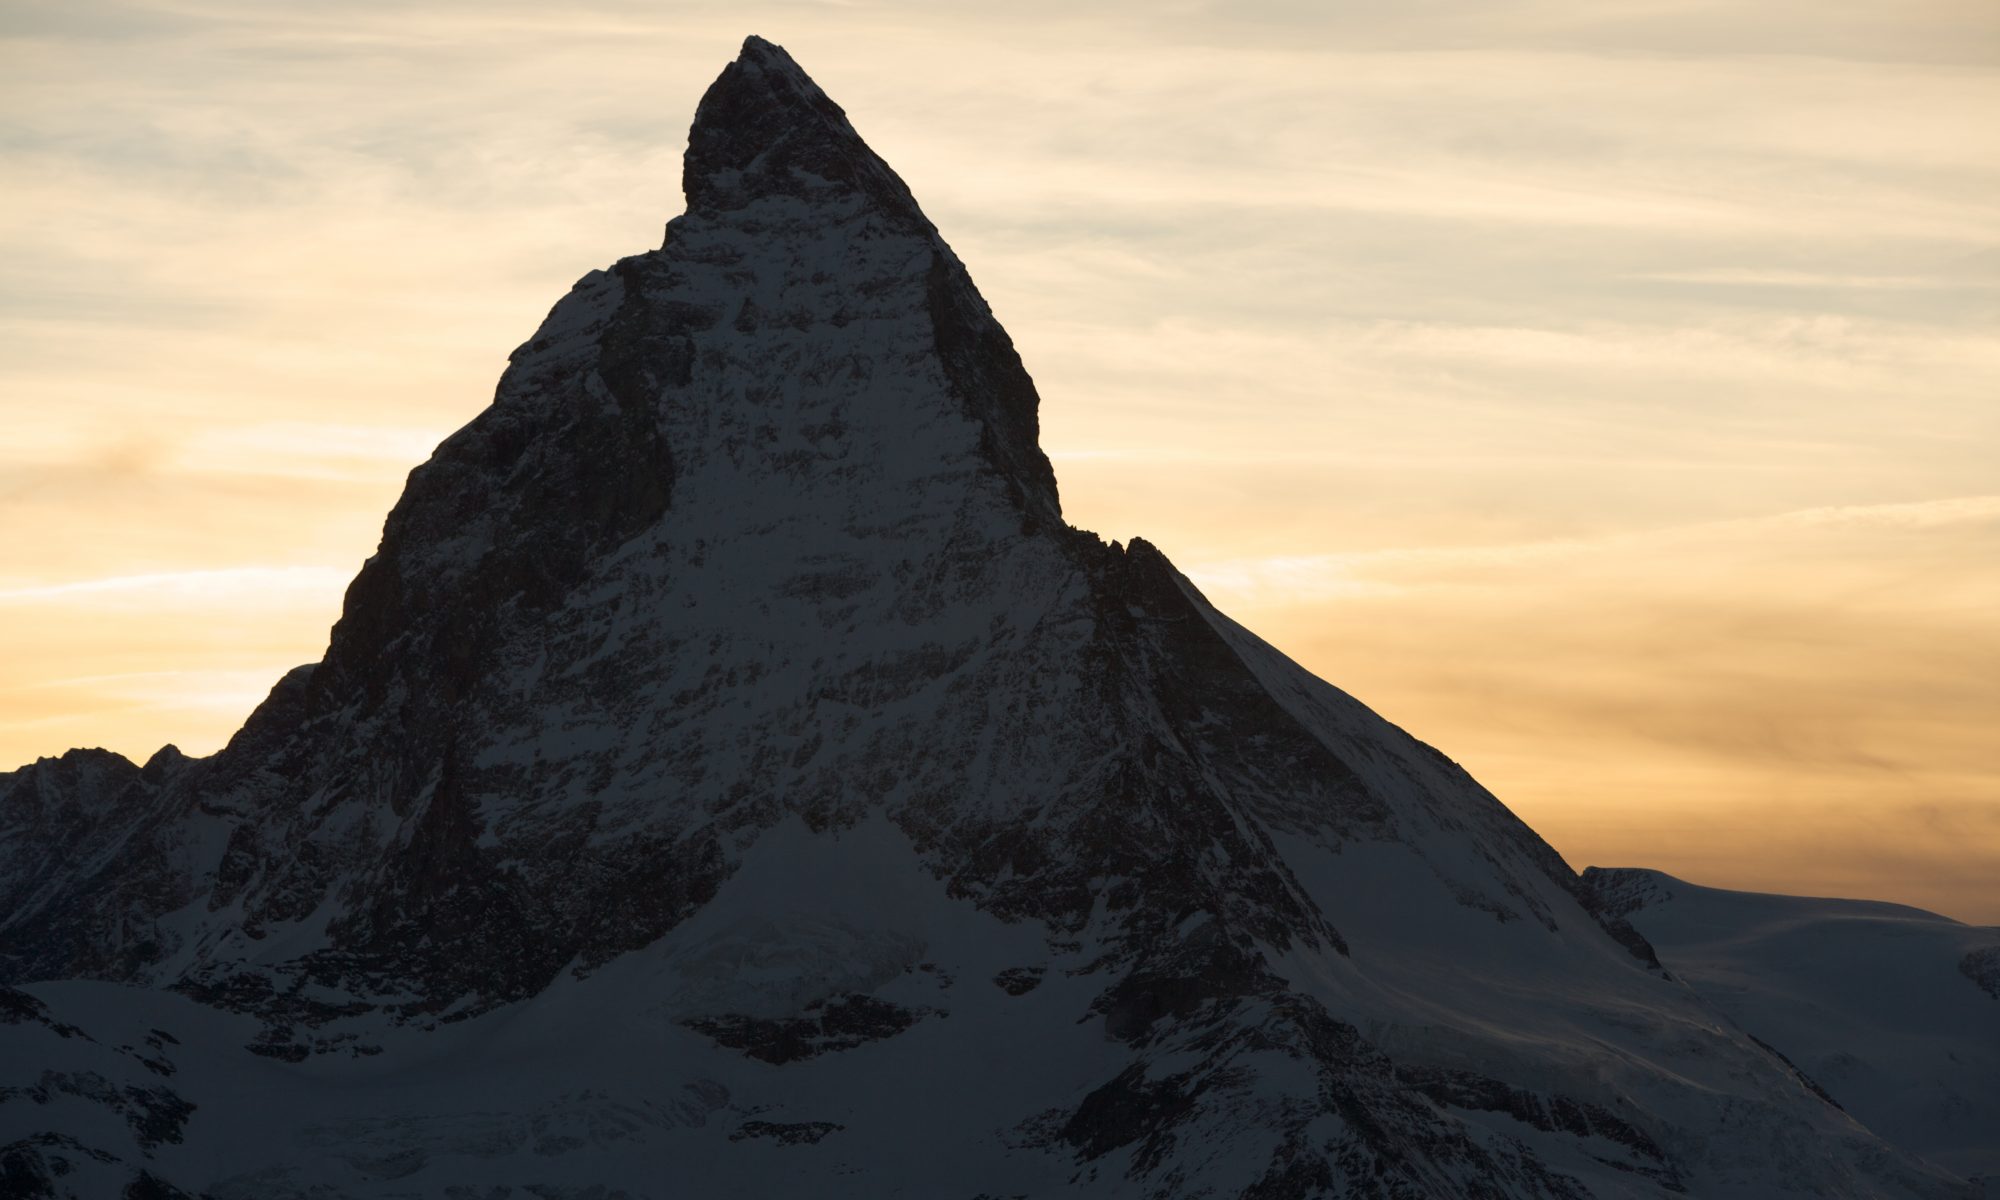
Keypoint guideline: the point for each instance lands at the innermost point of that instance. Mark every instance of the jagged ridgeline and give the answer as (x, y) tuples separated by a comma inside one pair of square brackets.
[(731, 776)]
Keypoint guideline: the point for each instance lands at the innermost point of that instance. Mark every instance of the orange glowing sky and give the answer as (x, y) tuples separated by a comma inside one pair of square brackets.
[(1609, 393)]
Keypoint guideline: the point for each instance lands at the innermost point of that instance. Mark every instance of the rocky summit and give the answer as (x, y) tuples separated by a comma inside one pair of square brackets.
[(732, 777)]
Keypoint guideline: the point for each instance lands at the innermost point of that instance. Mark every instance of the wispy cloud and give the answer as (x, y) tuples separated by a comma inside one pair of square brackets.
[(1293, 579), (234, 586), (1755, 278), (295, 449)]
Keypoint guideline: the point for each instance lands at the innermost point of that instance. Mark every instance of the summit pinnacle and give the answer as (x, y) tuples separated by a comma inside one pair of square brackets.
[(765, 128)]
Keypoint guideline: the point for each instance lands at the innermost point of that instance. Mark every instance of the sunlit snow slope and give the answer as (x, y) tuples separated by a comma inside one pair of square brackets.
[(1894, 1011)]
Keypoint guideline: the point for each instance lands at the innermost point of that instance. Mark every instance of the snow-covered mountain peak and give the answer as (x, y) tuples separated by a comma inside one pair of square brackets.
[(790, 210), (730, 776), (764, 128), (804, 376)]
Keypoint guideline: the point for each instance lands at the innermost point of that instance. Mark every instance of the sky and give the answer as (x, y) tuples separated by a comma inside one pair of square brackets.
[(1608, 393)]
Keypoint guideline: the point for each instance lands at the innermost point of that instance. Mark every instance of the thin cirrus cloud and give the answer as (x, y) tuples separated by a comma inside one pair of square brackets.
[(1729, 277), (232, 584), (1604, 392), (1290, 578)]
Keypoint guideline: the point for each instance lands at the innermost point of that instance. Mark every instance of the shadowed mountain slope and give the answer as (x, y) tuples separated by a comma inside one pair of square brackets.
[(731, 776)]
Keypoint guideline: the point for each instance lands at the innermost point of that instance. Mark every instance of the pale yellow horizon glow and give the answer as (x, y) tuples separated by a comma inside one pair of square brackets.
[(1609, 394)]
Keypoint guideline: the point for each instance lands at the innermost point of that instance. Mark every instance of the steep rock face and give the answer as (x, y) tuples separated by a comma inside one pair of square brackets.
[(62, 820), (733, 679)]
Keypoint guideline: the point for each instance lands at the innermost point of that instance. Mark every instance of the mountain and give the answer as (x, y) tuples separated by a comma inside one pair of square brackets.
[(1893, 1012), (732, 777)]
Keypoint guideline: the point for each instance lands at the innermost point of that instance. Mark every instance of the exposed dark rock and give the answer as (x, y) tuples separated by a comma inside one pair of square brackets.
[(828, 1026), (148, 1186), (155, 1115), (786, 1133), (1019, 981), (17, 1007), (1982, 967), (1464, 1089), (1806, 1081)]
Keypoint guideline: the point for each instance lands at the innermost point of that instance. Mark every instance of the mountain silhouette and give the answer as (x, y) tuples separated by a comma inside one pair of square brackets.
[(732, 776)]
